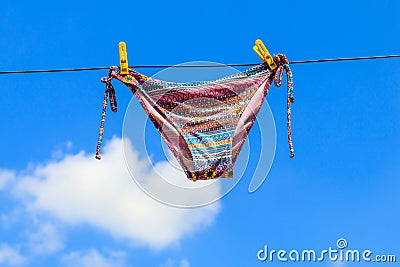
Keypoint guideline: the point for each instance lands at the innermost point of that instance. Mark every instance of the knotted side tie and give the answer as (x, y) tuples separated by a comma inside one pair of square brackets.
[(283, 64), (109, 95)]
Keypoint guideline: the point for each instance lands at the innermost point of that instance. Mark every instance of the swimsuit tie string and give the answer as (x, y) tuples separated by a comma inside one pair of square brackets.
[(109, 96), (283, 65)]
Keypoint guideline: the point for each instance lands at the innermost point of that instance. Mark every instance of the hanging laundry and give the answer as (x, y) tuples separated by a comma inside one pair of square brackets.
[(204, 124)]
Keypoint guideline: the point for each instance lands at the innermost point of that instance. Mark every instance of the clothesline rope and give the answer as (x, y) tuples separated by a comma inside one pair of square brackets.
[(197, 66)]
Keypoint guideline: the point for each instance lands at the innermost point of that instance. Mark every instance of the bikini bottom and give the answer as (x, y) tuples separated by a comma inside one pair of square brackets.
[(204, 124)]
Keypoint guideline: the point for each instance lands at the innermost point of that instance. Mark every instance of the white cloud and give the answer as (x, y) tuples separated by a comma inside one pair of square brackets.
[(92, 258), (10, 256), (79, 189), (6, 176), (46, 240), (9, 219)]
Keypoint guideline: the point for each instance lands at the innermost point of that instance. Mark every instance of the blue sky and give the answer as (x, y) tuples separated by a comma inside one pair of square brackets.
[(60, 207)]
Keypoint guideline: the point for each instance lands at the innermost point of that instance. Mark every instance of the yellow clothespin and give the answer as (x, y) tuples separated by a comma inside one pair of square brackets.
[(123, 59), (263, 53)]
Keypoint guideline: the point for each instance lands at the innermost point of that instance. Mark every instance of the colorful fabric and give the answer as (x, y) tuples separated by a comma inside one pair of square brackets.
[(204, 124)]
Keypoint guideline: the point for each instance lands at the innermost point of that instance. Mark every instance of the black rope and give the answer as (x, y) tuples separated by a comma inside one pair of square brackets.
[(198, 66), (53, 70), (341, 59)]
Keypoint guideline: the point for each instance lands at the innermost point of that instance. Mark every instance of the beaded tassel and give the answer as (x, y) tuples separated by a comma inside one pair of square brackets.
[(283, 64), (109, 95)]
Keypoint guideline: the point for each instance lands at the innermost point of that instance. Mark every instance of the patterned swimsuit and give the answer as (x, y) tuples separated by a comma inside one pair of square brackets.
[(204, 124)]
